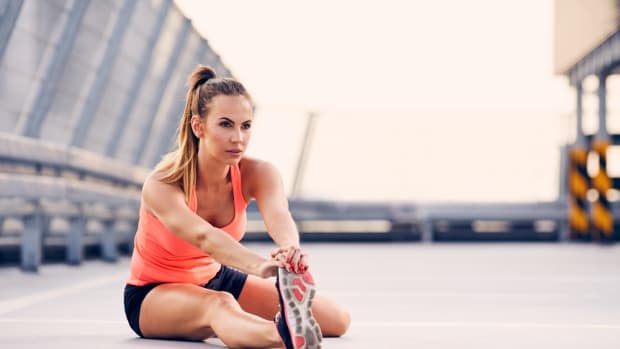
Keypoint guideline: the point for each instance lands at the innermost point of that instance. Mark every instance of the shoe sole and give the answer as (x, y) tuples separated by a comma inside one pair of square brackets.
[(297, 292)]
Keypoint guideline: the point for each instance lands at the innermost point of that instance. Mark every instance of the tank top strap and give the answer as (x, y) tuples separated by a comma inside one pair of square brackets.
[(235, 177)]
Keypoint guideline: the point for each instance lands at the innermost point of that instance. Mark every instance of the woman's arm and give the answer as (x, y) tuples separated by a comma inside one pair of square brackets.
[(267, 189), (167, 203)]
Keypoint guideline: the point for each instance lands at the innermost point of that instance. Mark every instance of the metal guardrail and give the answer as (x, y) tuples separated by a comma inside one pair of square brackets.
[(40, 154), (34, 187), (42, 182), (49, 182), (332, 221)]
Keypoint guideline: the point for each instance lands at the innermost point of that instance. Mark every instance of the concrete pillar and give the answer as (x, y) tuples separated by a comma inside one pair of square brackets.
[(165, 139), (173, 61), (10, 11), (118, 132), (602, 217), (98, 86), (53, 66)]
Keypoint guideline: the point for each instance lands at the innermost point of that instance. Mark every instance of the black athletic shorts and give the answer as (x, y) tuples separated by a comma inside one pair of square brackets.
[(226, 279)]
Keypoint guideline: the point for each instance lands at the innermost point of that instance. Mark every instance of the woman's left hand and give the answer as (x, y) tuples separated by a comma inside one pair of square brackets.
[(293, 258), (268, 268)]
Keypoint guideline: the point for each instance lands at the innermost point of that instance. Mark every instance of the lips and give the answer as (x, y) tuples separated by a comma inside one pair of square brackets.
[(235, 151)]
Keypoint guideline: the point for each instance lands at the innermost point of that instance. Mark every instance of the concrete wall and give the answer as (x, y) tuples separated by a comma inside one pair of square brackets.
[(102, 75), (580, 26)]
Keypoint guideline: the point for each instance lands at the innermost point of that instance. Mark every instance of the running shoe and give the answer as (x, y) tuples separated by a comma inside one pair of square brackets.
[(295, 323)]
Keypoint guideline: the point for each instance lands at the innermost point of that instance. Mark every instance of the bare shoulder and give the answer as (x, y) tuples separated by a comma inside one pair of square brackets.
[(154, 190), (258, 174), (256, 168), (153, 181)]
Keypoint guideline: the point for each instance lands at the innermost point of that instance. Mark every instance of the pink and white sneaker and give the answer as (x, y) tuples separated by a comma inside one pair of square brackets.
[(295, 323)]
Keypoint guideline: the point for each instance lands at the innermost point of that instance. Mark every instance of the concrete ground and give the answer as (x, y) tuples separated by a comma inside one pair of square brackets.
[(400, 296)]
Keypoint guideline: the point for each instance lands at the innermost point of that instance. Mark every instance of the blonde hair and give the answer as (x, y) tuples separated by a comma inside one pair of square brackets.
[(179, 166)]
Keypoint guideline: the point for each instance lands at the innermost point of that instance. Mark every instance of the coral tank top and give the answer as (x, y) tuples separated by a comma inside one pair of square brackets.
[(161, 256)]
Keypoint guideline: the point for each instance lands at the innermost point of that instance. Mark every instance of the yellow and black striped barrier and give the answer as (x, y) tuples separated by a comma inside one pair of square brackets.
[(578, 185), (602, 217)]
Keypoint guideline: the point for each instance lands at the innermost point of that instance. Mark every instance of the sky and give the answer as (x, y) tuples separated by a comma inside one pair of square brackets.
[(425, 101)]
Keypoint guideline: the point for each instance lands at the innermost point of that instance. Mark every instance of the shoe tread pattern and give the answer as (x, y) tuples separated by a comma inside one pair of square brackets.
[(298, 292)]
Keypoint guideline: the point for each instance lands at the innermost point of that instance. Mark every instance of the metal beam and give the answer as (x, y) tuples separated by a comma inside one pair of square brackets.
[(34, 114), (173, 60), (601, 60), (7, 22), (98, 86), (144, 65), (563, 191), (580, 140), (303, 156), (602, 108), (165, 139)]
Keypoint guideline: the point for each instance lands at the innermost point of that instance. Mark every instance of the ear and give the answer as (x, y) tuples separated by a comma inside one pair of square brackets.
[(197, 126)]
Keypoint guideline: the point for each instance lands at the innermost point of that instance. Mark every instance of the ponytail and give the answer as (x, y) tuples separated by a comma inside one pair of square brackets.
[(179, 166)]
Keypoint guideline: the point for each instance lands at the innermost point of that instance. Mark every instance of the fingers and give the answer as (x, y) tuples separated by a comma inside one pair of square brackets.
[(278, 250), (293, 259), (303, 263)]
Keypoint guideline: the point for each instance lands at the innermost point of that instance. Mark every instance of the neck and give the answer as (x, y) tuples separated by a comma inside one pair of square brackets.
[(212, 172)]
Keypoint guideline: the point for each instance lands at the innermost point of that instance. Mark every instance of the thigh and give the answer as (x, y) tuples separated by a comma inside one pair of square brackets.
[(177, 311), (260, 297)]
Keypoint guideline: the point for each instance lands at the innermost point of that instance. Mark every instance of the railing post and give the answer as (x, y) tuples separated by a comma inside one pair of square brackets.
[(75, 240), (32, 241), (109, 249), (427, 230)]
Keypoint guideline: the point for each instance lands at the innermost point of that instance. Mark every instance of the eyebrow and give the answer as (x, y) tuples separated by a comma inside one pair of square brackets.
[(228, 119)]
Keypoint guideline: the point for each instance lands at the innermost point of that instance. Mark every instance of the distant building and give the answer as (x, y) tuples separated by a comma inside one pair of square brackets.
[(587, 45)]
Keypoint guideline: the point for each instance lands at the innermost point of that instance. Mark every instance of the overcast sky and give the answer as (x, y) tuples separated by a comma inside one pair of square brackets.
[(417, 100)]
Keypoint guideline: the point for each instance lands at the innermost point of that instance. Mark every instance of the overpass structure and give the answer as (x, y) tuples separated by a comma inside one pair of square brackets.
[(587, 47), (90, 96)]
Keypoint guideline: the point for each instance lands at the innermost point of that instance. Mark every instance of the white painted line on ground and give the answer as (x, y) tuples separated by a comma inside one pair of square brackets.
[(400, 324), (9, 305), (61, 321), (363, 324)]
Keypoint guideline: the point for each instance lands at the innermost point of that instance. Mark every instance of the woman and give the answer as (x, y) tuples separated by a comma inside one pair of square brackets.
[(190, 277)]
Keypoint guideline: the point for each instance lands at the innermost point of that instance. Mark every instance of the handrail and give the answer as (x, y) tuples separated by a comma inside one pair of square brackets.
[(23, 150), (32, 187)]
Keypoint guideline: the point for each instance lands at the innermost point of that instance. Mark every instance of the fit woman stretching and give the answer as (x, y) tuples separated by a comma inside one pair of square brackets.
[(190, 277)]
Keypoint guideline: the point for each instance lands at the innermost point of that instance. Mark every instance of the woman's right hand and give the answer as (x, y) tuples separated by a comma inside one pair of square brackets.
[(292, 257)]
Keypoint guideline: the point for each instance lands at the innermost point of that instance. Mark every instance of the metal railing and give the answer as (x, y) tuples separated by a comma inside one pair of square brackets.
[(58, 195)]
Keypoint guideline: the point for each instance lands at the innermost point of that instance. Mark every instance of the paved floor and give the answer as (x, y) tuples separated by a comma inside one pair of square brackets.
[(400, 295)]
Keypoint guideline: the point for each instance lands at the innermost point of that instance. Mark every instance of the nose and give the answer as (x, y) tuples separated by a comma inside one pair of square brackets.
[(237, 136)]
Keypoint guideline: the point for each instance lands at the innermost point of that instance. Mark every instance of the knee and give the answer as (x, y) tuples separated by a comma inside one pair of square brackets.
[(343, 323), (222, 301), (340, 323)]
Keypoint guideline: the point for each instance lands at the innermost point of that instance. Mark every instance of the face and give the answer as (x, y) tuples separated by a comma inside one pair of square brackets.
[(225, 132)]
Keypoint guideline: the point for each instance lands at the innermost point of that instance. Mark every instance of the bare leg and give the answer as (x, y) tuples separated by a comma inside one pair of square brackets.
[(259, 297), (195, 313)]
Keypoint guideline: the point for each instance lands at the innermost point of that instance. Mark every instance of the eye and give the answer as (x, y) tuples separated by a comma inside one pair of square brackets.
[(246, 126), (225, 123)]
